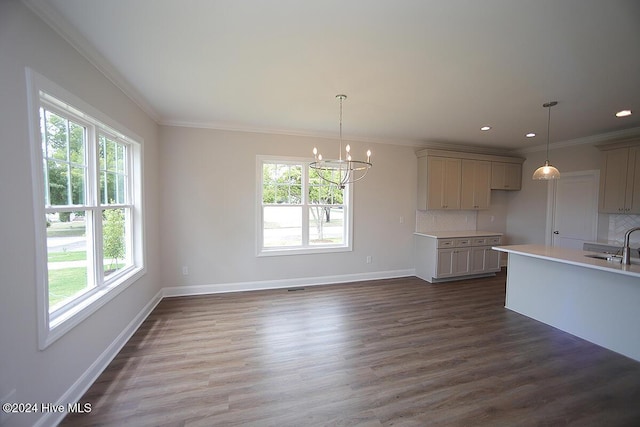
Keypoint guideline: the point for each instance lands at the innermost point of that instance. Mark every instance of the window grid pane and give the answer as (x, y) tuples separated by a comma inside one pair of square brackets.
[(115, 250), (282, 226), (68, 272), (326, 225), (113, 173), (64, 150)]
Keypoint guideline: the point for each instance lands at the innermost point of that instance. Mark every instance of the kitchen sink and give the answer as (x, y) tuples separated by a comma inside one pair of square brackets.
[(607, 257), (616, 259)]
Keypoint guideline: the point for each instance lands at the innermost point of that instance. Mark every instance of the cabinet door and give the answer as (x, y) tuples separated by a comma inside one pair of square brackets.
[(444, 266), (477, 260), (475, 190), (453, 262), (613, 184), (491, 260), (484, 260), (443, 183), (512, 176), (506, 176), (461, 261)]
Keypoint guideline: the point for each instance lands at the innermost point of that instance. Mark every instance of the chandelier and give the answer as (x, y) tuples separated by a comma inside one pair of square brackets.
[(342, 171), (546, 171)]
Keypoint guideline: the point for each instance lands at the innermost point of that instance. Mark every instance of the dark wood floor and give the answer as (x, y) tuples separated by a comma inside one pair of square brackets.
[(396, 352)]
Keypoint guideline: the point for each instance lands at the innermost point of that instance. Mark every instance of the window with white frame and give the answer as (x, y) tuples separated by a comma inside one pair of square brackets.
[(87, 195), (299, 212)]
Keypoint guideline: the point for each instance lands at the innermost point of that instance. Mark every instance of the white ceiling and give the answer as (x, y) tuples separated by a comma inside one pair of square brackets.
[(414, 71)]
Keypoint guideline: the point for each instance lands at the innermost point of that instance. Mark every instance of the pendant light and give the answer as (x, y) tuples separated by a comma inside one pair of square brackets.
[(546, 171), (342, 171)]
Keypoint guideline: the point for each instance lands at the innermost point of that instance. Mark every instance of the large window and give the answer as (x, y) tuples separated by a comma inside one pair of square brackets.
[(88, 213), (299, 212)]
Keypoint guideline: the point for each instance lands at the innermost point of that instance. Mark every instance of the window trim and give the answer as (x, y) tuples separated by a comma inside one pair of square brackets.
[(303, 250), (52, 326)]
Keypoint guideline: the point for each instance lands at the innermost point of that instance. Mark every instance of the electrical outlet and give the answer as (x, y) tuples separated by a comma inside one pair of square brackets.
[(368, 259), (185, 270), (401, 220)]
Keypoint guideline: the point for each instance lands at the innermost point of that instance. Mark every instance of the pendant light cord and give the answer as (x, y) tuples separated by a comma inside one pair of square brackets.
[(548, 129), (341, 97), (548, 105)]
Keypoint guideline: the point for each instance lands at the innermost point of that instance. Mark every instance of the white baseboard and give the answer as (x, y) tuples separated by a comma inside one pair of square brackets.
[(78, 389), (283, 284)]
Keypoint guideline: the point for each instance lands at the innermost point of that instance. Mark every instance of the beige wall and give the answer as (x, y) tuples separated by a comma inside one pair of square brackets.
[(527, 208), (44, 376), (209, 209)]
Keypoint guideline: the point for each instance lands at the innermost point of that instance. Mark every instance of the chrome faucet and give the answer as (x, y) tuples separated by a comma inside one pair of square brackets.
[(626, 250)]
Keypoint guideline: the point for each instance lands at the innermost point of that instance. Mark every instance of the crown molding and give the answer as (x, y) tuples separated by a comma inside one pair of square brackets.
[(290, 132), (587, 140), (45, 11), (475, 149)]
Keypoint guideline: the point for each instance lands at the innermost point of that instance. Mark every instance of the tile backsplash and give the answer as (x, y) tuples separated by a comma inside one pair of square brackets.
[(445, 220), (619, 224)]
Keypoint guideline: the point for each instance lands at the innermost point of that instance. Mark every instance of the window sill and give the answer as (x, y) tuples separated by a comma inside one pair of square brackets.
[(302, 251), (51, 331)]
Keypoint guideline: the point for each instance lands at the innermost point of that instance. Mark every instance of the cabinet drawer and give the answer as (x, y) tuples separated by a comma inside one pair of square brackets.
[(494, 240), (459, 243), (454, 243), (446, 243), (468, 241)]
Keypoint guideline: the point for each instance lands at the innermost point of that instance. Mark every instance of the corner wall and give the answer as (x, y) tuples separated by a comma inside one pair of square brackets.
[(46, 376)]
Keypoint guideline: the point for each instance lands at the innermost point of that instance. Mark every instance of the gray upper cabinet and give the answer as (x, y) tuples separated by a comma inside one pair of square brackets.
[(452, 180), (476, 184), (506, 176), (620, 178), (439, 183)]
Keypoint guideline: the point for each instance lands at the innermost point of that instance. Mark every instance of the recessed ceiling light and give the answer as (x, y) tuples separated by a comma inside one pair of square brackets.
[(623, 113), (485, 128), (530, 135)]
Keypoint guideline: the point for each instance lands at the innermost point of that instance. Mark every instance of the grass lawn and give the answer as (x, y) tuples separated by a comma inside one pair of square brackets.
[(66, 282), (67, 256)]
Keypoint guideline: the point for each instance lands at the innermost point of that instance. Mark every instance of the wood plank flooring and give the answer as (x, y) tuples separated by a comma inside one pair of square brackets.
[(398, 352)]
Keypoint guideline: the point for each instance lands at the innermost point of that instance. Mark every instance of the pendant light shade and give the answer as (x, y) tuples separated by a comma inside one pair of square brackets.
[(546, 171)]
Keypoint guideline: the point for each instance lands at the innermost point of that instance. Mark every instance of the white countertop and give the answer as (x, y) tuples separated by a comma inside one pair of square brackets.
[(573, 257), (456, 234)]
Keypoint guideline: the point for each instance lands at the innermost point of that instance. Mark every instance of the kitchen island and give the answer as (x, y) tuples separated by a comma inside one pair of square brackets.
[(594, 299)]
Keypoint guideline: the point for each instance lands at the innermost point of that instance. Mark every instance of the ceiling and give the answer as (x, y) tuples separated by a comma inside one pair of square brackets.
[(414, 71)]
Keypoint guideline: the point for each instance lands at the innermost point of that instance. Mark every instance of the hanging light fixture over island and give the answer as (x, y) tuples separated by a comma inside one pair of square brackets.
[(546, 171), (345, 170)]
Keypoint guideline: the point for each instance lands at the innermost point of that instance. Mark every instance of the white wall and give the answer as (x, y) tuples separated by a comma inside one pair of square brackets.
[(209, 209), (44, 376)]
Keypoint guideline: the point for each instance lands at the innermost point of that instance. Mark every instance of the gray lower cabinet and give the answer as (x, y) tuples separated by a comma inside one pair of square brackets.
[(441, 259)]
